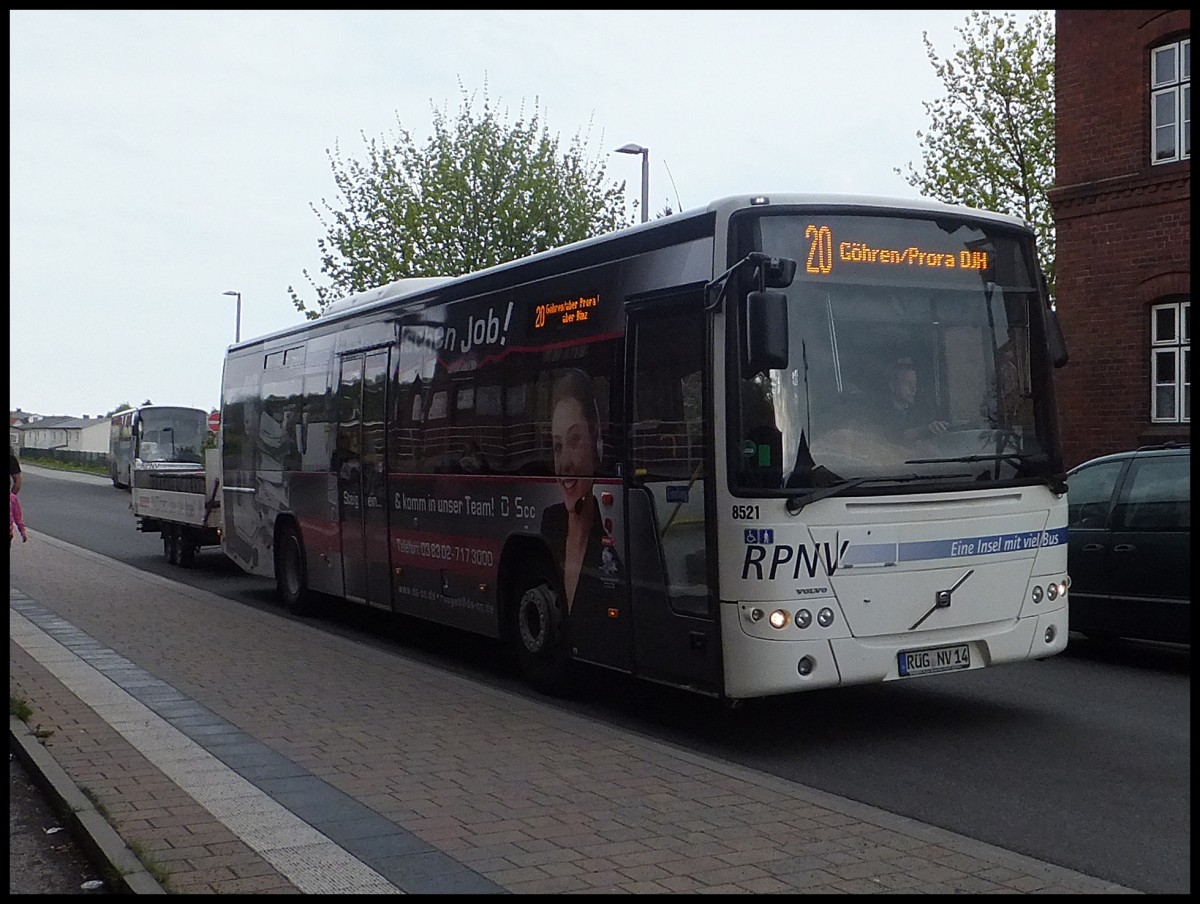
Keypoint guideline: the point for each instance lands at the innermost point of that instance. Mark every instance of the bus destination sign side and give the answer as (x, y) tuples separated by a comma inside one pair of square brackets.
[(565, 313)]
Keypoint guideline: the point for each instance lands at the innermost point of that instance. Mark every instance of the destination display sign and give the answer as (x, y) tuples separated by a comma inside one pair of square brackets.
[(900, 250), (826, 250), (566, 312)]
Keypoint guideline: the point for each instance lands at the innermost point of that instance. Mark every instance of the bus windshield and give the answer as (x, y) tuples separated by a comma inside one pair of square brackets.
[(171, 435), (915, 358)]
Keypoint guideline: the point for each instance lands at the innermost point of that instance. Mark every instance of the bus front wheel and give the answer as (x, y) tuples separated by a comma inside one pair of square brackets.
[(291, 574), (541, 637)]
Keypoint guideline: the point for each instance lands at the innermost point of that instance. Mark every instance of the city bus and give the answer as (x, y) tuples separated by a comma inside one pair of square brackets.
[(161, 436), (659, 451)]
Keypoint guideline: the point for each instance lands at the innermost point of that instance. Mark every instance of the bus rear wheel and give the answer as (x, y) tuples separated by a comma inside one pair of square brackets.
[(187, 548), (291, 573), (171, 544), (541, 637)]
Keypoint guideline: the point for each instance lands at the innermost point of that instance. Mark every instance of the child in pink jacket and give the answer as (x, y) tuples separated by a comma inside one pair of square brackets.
[(15, 519)]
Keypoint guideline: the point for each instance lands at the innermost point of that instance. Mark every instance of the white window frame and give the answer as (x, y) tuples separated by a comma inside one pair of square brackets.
[(1171, 103), (1174, 346)]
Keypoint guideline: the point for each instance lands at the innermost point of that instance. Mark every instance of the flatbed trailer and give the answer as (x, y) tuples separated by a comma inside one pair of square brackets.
[(180, 502)]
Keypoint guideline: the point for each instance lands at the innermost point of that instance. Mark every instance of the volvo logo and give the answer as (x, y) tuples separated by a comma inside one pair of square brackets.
[(941, 600)]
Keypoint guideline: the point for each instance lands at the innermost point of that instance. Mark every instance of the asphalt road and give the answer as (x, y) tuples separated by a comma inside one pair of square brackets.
[(1083, 760)]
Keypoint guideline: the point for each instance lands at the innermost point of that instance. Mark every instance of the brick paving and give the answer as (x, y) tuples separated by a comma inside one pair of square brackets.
[(237, 751)]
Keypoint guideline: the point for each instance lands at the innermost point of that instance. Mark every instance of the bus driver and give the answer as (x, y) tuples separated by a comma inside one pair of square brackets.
[(902, 415)]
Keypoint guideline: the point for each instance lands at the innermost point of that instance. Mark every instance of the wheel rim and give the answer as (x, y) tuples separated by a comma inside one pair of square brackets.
[(537, 619)]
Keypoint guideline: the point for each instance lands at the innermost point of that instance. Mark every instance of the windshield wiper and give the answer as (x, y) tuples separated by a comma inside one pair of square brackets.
[(1019, 456), (796, 504)]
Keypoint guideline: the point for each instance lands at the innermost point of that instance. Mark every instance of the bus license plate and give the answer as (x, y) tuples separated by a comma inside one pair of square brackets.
[(934, 660)]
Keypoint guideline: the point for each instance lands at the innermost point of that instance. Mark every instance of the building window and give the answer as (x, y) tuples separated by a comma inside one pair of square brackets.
[(1171, 363), (1171, 102)]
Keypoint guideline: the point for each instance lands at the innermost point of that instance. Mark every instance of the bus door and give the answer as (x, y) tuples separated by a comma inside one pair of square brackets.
[(674, 609), (360, 461)]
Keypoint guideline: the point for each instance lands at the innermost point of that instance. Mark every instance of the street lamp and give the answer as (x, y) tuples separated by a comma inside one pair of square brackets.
[(645, 152), (237, 336)]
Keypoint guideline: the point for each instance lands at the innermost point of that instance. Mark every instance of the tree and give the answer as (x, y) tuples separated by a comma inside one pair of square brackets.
[(990, 143), (121, 407), (478, 193)]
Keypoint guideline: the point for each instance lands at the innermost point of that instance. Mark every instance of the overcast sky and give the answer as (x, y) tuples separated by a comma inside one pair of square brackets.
[(159, 159)]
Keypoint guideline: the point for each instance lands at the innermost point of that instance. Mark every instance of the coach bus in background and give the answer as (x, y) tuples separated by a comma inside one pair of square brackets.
[(670, 451), (160, 435)]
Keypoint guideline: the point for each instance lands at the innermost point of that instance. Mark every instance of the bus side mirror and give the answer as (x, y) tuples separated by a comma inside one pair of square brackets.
[(1055, 343), (1054, 338), (765, 326)]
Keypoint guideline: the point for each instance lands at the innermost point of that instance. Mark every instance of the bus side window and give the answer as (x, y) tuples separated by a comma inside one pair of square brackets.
[(668, 423)]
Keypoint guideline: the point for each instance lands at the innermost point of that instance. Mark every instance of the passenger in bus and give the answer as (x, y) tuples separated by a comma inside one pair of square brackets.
[(903, 415), (574, 528), (472, 461)]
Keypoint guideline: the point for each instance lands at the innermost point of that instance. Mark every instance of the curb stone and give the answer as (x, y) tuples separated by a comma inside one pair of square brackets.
[(87, 825)]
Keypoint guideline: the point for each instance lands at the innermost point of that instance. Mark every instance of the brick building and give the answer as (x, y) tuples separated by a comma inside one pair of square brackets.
[(1122, 208)]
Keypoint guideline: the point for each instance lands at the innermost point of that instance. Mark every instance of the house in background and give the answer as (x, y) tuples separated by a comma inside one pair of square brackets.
[(63, 434), (17, 419), (1123, 223)]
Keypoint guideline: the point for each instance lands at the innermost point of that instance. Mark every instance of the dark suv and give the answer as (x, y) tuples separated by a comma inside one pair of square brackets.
[(1130, 527)]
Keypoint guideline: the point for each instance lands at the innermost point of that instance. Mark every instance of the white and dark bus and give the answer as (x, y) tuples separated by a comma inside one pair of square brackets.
[(159, 435), (673, 451)]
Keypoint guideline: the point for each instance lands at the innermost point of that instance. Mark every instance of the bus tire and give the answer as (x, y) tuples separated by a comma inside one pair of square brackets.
[(291, 573), (541, 636)]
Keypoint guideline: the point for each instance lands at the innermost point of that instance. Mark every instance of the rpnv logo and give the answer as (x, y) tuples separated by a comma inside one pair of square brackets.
[(763, 537)]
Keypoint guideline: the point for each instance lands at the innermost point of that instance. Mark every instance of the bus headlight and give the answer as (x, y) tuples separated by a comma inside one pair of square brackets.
[(803, 618), (756, 614), (1052, 592), (825, 617), (779, 619), (1037, 594)]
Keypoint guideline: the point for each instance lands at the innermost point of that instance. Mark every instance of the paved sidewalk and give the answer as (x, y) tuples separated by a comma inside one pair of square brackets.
[(237, 751)]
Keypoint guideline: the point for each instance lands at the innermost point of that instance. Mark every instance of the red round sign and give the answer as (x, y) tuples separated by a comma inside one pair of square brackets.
[(214, 421)]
